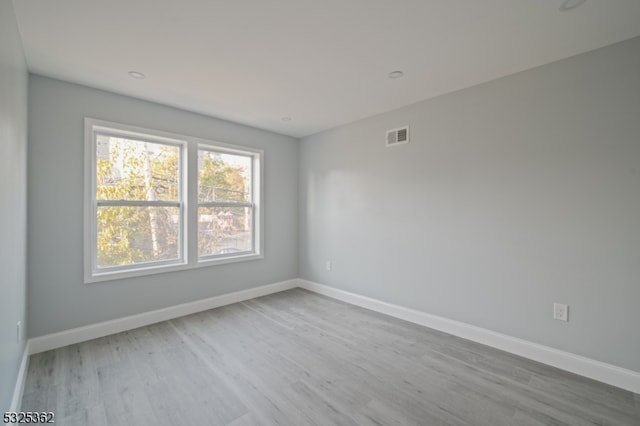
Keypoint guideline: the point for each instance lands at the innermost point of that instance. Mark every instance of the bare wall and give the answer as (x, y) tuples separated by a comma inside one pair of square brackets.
[(13, 204), (58, 298), (512, 195)]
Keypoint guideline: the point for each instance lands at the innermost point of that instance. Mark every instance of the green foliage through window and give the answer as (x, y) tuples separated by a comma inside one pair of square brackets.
[(136, 171), (224, 218)]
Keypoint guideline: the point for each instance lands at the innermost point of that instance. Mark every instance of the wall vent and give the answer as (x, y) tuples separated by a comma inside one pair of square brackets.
[(398, 136)]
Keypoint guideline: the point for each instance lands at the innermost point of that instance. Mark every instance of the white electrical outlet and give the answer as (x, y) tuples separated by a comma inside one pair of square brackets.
[(19, 331), (560, 312), (327, 265)]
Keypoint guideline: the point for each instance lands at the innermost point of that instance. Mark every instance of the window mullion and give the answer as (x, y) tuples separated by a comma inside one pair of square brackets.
[(191, 208)]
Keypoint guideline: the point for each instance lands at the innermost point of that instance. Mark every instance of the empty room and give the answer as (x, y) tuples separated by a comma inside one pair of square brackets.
[(306, 212)]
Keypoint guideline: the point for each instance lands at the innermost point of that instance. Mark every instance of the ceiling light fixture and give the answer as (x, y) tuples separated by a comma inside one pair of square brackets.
[(396, 74), (286, 119), (136, 74), (568, 5)]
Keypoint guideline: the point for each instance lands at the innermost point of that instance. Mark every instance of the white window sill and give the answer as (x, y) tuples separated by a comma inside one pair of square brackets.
[(173, 267)]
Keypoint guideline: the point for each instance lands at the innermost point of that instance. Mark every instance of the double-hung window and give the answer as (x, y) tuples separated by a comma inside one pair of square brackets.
[(225, 202), (159, 202)]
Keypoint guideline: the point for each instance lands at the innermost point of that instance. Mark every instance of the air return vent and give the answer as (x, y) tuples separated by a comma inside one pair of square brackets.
[(398, 136)]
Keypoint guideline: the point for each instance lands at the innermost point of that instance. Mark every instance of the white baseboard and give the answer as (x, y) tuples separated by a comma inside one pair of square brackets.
[(94, 331), (600, 371), (18, 390)]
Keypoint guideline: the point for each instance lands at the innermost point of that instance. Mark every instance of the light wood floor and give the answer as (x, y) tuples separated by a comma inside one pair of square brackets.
[(297, 358)]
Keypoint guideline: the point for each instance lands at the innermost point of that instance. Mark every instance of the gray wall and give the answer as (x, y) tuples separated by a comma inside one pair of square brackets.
[(512, 195), (13, 199), (58, 299)]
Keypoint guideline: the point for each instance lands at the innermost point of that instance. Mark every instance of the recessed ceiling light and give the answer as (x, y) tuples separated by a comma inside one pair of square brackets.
[(568, 5), (136, 74), (286, 118), (396, 74)]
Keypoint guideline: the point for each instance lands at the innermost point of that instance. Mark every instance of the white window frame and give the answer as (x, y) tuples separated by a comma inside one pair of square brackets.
[(188, 253), (255, 189)]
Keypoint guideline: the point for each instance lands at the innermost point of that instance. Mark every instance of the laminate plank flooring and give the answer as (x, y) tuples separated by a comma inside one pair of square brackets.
[(298, 358)]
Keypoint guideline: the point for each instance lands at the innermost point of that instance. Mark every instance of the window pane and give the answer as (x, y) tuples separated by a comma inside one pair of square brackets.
[(224, 230), (223, 177), (128, 235), (128, 169)]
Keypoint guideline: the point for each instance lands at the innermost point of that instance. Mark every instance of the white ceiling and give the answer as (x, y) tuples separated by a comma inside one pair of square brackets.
[(321, 62)]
